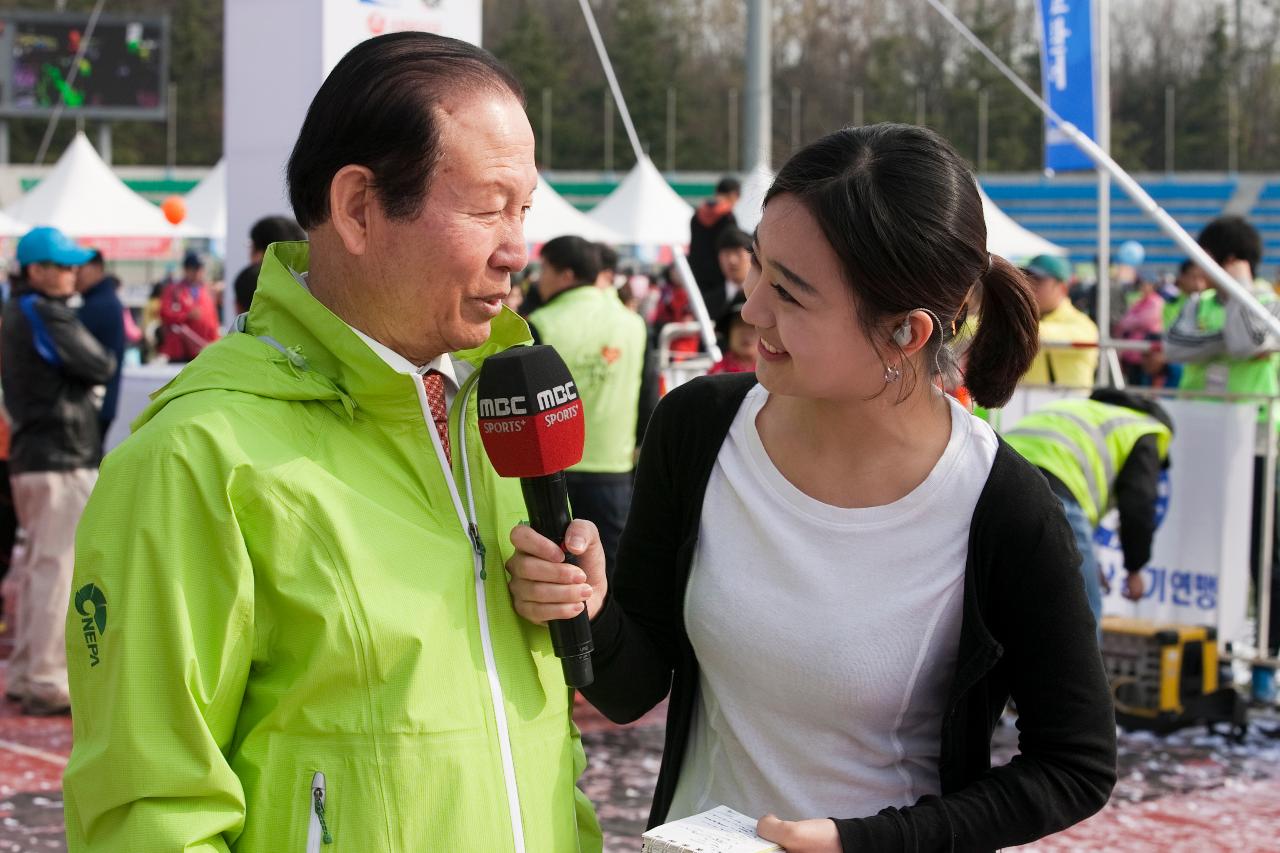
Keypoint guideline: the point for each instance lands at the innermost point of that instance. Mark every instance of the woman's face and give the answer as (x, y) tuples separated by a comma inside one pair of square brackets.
[(811, 340)]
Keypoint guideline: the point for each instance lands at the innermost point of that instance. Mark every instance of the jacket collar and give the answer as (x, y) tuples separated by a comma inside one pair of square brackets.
[(287, 313)]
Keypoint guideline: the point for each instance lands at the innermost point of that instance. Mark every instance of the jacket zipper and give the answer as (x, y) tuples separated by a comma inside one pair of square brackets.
[(472, 531), (318, 827)]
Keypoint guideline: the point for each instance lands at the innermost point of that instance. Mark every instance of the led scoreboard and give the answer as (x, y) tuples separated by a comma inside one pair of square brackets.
[(122, 73)]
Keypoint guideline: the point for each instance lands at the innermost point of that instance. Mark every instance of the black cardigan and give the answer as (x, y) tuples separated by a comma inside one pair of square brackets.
[(1026, 631)]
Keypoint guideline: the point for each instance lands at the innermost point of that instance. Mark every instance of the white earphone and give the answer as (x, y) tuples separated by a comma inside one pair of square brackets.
[(902, 336)]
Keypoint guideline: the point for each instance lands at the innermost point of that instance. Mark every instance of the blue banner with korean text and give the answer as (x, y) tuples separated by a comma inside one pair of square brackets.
[(1066, 71)]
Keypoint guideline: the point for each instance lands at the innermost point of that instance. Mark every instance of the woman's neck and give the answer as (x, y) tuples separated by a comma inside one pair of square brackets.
[(853, 452)]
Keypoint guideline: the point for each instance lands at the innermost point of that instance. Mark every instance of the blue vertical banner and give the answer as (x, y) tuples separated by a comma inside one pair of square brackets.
[(1067, 74)]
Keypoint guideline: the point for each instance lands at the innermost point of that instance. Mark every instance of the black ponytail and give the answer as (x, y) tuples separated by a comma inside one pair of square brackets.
[(1008, 335)]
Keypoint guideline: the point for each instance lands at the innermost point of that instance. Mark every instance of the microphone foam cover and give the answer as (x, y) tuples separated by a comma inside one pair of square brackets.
[(531, 418)]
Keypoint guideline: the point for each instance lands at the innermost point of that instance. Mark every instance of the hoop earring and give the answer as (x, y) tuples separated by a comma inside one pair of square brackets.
[(892, 373)]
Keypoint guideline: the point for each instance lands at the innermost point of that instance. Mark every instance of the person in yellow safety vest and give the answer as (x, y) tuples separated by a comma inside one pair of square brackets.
[(1228, 350), (1060, 322), (1106, 450)]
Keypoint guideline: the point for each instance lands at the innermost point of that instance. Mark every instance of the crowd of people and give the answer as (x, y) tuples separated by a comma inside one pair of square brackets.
[(302, 606)]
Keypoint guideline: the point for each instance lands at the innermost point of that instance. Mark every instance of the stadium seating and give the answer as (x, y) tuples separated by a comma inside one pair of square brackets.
[(1065, 210)]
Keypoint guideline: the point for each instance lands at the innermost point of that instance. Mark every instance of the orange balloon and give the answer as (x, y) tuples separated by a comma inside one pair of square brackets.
[(174, 209)]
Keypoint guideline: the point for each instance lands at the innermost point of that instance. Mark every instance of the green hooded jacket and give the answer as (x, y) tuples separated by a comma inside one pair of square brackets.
[(290, 630)]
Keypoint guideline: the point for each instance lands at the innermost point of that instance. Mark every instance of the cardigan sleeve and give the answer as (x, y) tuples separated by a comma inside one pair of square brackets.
[(1066, 766), (638, 633)]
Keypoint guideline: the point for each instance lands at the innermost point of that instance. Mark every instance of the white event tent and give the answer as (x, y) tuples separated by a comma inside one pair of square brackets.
[(1010, 240), (207, 206), (644, 210), (551, 216), (83, 197), (10, 227)]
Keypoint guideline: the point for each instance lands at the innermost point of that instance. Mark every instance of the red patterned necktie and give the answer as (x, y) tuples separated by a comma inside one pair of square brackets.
[(433, 381)]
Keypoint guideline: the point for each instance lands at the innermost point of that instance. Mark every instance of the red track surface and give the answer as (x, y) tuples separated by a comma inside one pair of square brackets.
[(1237, 815)]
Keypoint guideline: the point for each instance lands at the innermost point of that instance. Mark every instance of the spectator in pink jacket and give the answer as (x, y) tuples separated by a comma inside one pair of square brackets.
[(1143, 320)]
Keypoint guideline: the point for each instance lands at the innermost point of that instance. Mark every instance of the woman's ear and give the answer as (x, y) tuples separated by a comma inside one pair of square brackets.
[(915, 330)]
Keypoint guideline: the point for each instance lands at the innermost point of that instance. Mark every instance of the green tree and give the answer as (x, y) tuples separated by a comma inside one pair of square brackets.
[(528, 50)]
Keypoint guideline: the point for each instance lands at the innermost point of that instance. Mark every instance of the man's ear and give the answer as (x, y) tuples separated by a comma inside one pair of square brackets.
[(351, 200)]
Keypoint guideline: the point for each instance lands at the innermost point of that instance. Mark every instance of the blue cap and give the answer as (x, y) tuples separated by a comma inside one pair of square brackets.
[(47, 245), (192, 261)]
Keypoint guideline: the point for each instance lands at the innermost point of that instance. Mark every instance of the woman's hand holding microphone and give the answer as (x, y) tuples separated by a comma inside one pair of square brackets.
[(544, 587)]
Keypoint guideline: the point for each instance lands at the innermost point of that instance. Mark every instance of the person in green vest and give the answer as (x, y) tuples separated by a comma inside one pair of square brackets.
[(1191, 282), (1107, 450), (1226, 349), (605, 345), (290, 628)]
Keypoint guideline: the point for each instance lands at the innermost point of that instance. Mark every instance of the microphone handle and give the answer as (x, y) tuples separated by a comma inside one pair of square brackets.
[(547, 501)]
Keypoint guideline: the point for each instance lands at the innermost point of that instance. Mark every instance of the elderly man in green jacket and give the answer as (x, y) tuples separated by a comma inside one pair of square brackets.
[(290, 626)]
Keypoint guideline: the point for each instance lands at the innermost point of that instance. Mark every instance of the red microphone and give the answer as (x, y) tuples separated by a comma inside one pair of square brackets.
[(531, 423)]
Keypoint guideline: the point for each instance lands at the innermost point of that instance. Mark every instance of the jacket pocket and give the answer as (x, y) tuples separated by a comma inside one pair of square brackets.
[(318, 825)]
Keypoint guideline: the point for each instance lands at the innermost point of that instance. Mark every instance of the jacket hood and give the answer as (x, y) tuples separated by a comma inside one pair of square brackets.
[(290, 347)]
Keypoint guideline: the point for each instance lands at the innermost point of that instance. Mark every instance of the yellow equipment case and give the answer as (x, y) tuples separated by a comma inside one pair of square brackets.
[(1165, 676)]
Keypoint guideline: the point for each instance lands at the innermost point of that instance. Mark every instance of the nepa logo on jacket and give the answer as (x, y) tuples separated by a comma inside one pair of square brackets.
[(91, 604)]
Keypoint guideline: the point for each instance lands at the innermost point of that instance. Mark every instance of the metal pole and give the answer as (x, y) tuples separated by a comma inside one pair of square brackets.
[(104, 142), (795, 119), (1233, 130), (1103, 10), (1268, 534), (172, 159), (546, 128), (671, 129), (757, 113), (733, 130), (920, 108), (605, 63), (858, 116), (1168, 127), (982, 130), (608, 133)]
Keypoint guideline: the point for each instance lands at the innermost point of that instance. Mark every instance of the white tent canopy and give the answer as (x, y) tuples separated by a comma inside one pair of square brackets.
[(84, 198), (207, 206), (10, 227), (1010, 240), (644, 210), (751, 203), (551, 216)]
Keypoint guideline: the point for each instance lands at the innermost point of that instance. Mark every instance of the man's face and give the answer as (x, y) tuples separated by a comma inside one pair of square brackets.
[(1192, 280), (735, 264), (440, 278), (195, 275), (1049, 292), (552, 280), (88, 275), (56, 280)]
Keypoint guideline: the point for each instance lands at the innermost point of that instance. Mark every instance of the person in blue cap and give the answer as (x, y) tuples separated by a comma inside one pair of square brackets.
[(52, 371)]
